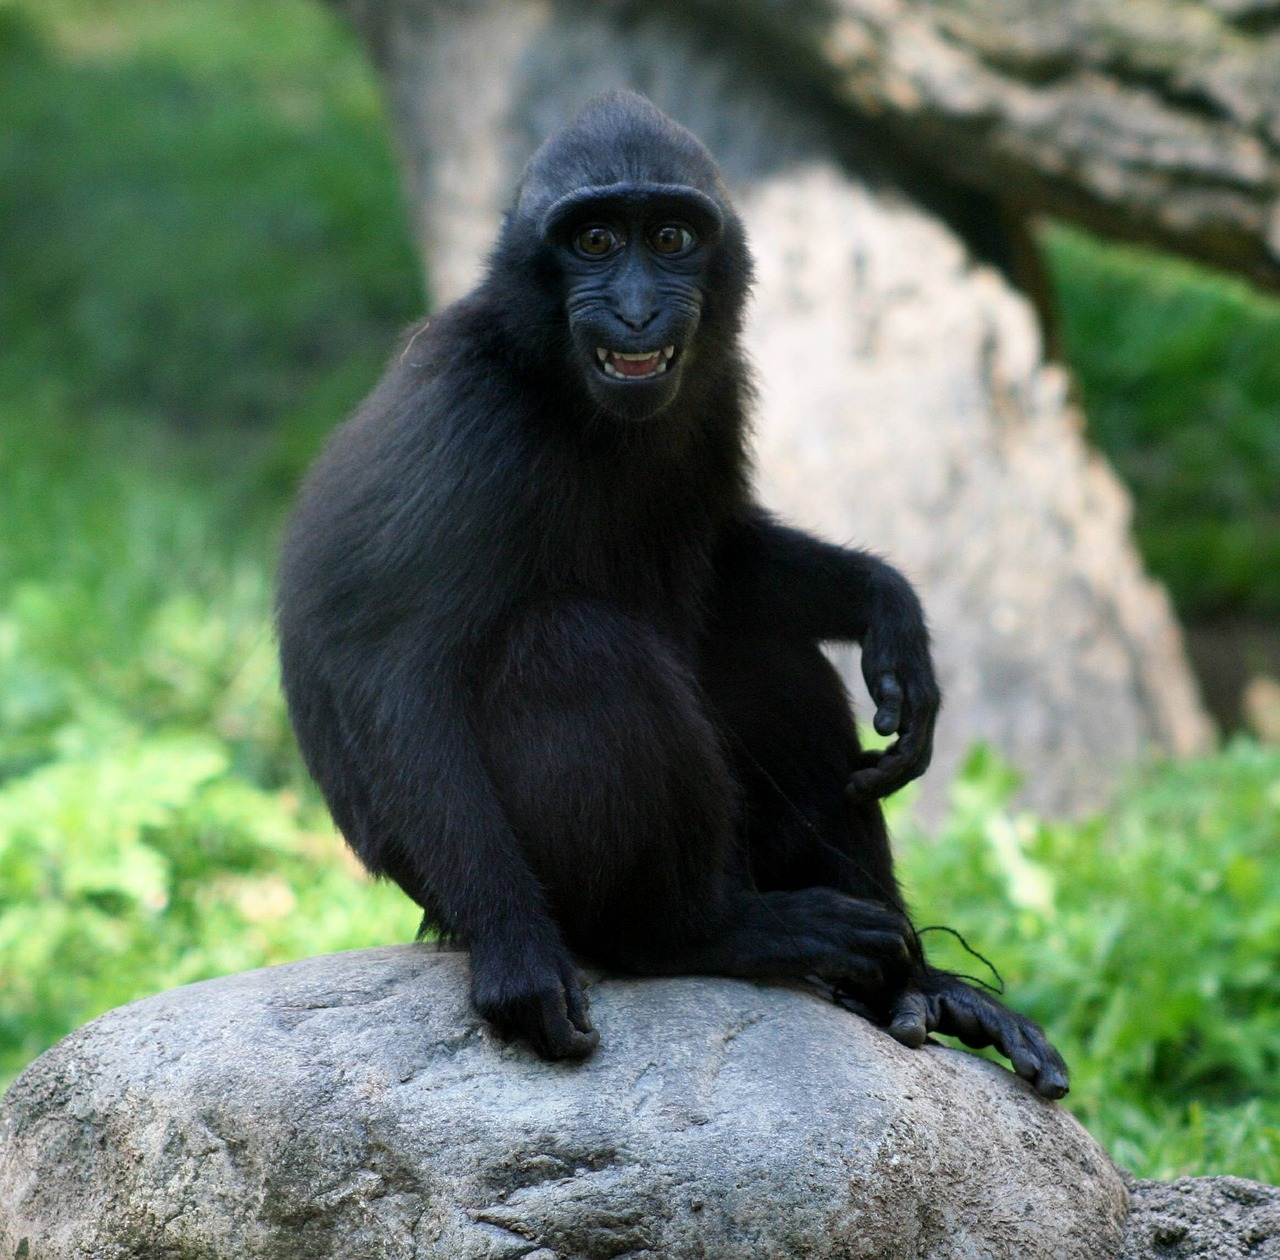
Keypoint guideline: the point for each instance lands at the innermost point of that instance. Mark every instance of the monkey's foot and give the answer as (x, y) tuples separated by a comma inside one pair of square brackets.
[(942, 1003)]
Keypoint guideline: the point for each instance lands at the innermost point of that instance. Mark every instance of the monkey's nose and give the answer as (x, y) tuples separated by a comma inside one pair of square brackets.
[(637, 322)]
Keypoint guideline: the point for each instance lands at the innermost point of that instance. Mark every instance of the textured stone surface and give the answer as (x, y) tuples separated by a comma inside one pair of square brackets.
[(1203, 1218), (905, 406), (353, 1106), (905, 403), (1156, 120)]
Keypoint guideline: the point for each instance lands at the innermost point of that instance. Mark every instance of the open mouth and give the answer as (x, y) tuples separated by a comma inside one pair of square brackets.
[(634, 367)]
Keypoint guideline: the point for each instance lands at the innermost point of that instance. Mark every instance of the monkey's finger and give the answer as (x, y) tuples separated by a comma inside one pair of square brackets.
[(892, 771), (1013, 1045), (979, 1023), (909, 1021), (1032, 1057), (888, 696), (979, 1020), (869, 784), (866, 759), (916, 732), (569, 1043), (920, 706), (1053, 1080), (909, 756), (556, 1037), (960, 1015), (578, 1006)]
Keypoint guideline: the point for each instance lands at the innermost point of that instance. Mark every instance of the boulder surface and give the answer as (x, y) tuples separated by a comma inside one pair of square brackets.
[(354, 1105), (1203, 1218)]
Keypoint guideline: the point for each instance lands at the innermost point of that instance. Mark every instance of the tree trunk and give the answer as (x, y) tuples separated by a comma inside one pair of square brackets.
[(906, 404)]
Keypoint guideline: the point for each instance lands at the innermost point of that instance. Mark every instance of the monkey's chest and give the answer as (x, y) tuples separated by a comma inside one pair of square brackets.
[(638, 538), (661, 576)]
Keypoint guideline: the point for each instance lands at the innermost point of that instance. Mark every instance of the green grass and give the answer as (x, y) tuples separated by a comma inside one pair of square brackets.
[(204, 262), (155, 823)]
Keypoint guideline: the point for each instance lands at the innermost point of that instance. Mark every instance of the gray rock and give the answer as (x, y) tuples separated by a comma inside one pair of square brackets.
[(354, 1106), (1203, 1218)]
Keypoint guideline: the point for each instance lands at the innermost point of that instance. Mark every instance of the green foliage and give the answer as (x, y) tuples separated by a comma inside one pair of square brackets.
[(155, 826), (199, 223), (1147, 943), (1180, 371), (200, 213)]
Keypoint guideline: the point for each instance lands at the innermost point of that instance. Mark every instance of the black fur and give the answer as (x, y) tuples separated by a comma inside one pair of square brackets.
[(558, 675)]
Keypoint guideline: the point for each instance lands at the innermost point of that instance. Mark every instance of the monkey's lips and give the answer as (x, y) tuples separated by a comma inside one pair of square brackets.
[(621, 366)]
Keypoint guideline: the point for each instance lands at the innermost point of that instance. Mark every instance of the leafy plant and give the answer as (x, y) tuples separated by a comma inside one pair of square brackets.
[(155, 825), (1147, 941)]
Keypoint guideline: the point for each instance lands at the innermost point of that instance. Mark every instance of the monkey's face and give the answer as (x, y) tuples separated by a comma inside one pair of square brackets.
[(634, 258)]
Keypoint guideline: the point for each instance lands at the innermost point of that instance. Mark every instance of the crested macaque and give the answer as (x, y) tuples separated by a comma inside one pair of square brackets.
[(556, 671)]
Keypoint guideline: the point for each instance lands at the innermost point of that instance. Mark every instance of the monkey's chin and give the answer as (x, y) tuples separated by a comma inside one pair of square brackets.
[(636, 400)]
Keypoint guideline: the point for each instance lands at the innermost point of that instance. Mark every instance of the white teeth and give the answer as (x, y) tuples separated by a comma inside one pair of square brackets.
[(610, 370), (660, 358)]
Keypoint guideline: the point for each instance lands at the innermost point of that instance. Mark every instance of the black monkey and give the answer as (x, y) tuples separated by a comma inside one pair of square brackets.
[(556, 672)]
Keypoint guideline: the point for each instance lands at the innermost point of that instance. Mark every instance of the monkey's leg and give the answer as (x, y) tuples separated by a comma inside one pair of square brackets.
[(399, 765), (616, 783), (792, 737), (805, 932)]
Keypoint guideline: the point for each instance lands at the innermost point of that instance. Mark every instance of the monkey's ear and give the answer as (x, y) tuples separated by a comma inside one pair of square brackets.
[(702, 211)]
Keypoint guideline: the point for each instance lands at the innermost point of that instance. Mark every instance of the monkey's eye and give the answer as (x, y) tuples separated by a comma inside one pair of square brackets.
[(671, 238), (595, 241)]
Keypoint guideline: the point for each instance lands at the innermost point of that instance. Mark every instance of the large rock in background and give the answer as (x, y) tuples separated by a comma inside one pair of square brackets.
[(354, 1106), (906, 404)]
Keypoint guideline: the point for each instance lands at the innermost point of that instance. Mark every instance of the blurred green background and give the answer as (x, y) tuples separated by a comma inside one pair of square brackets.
[(204, 259)]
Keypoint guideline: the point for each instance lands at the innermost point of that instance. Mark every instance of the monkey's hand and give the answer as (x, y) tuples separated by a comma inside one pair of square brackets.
[(899, 675), (943, 1003), (540, 998)]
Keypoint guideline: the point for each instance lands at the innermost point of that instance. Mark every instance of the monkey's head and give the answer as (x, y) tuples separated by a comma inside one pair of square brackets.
[(632, 264)]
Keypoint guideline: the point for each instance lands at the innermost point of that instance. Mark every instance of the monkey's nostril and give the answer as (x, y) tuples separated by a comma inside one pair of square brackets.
[(637, 323)]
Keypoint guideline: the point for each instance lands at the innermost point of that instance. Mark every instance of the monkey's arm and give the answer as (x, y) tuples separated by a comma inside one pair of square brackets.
[(437, 827), (833, 594)]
